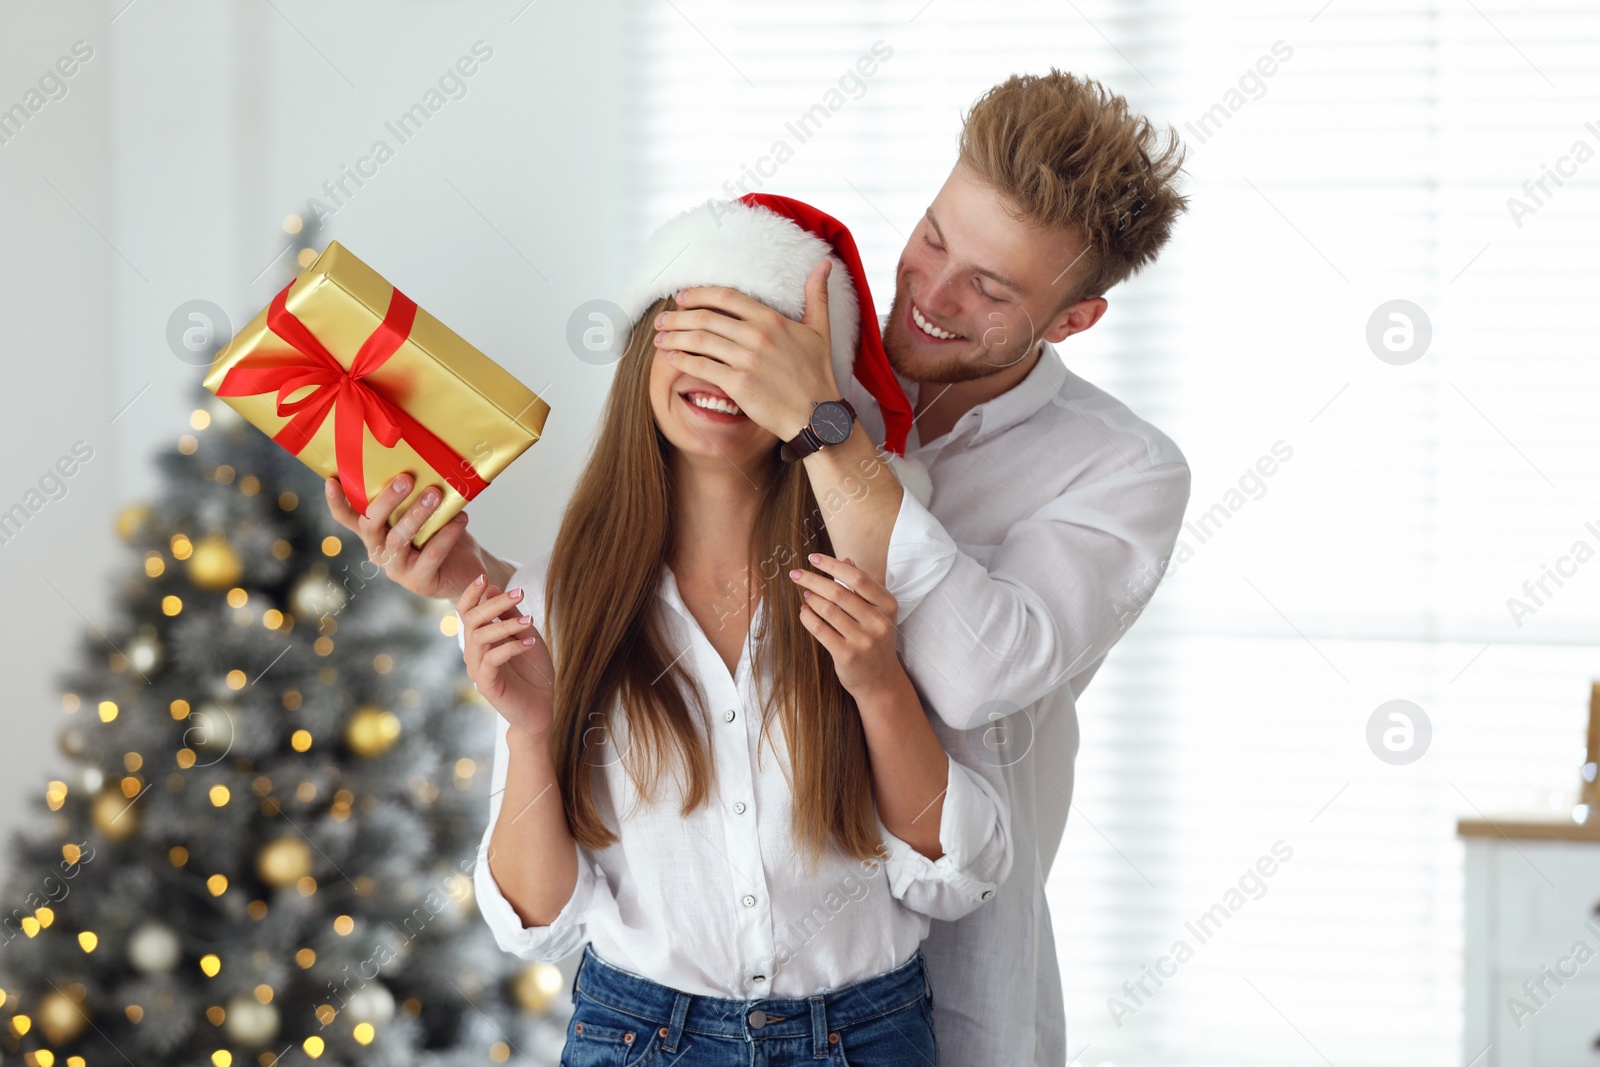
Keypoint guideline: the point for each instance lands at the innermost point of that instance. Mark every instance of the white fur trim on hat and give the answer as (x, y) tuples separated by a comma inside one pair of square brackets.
[(751, 249)]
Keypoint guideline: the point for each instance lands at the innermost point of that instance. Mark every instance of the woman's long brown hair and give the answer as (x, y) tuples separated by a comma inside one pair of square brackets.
[(600, 601)]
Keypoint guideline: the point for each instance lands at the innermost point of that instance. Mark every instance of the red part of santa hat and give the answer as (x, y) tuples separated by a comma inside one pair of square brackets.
[(765, 246), (871, 365)]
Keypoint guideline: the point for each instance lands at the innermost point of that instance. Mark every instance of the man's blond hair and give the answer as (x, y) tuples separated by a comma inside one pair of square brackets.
[(1071, 156)]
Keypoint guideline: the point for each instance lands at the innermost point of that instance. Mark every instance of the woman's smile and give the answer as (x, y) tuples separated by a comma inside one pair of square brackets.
[(712, 407)]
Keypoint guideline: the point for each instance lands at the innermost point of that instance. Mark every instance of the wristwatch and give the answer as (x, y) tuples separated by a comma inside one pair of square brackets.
[(831, 421)]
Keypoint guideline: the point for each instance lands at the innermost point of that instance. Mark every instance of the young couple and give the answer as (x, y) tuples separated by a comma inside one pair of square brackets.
[(786, 722)]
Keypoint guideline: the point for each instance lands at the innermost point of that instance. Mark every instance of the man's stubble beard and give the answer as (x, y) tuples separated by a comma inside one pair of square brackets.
[(964, 365)]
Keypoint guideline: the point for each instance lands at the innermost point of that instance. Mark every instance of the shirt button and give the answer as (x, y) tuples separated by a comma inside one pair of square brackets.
[(759, 978), (987, 893), (738, 807), (728, 715), (749, 901)]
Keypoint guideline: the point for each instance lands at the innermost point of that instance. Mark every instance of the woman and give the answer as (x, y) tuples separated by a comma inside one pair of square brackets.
[(718, 779)]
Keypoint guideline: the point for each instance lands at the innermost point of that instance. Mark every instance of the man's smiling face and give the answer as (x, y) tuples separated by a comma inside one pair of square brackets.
[(977, 288)]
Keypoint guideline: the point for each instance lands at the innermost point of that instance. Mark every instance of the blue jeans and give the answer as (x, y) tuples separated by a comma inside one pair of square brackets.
[(621, 1019)]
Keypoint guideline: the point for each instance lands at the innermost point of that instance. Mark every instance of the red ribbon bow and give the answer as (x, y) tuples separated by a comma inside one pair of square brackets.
[(357, 406)]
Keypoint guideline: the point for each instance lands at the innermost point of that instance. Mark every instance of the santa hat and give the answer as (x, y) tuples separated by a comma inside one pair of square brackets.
[(766, 246)]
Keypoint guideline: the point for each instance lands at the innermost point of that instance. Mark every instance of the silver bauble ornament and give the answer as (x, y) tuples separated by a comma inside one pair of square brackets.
[(154, 949), (212, 726), (251, 1022), (144, 652), (372, 1003), (314, 596)]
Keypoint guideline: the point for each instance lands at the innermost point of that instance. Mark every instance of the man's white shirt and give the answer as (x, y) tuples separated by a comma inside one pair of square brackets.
[(1065, 507)]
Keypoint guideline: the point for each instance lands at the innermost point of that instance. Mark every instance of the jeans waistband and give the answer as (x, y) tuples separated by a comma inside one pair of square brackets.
[(673, 1012)]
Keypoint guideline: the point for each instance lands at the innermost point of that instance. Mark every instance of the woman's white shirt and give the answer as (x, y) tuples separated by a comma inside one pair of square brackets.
[(720, 902)]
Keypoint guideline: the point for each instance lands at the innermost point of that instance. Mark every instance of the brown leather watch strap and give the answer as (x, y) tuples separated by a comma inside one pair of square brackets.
[(806, 441)]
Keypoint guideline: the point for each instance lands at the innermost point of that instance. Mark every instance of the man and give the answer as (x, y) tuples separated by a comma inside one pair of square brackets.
[(1065, 504)]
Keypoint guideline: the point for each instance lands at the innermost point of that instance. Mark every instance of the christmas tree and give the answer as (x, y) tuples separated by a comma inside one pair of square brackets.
[(267, 851)]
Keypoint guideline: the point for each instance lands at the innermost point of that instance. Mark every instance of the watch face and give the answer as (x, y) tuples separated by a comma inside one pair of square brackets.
[(831, 422)]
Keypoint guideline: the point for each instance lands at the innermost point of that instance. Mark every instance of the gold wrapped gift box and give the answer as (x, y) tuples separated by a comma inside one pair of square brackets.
[(355, 379)]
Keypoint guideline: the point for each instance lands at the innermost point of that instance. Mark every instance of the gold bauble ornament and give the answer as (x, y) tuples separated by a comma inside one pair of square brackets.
[(372, 731), (72, 741), (115, 816), (131, 520), (62, 1017), (535, 986), (284, 862), (214, 564)]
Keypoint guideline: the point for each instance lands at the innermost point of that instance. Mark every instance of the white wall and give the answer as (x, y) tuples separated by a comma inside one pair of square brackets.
[(185, 139), (58, 315)]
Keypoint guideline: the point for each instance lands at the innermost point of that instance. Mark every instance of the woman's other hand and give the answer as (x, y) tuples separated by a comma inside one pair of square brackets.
[(507, 658), (855, 624)]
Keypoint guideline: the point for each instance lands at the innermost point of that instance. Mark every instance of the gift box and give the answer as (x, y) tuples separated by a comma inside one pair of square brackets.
[(350, 375)]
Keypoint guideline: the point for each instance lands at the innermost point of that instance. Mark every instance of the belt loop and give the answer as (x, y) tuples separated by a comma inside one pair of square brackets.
[(927, 979), (577, 971), (819, 1027), (680, 1012)]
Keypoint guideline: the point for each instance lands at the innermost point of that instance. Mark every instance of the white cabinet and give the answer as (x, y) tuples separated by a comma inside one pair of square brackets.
[(1532, 944)]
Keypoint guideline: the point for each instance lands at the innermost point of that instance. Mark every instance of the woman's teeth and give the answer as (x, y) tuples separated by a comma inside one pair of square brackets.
[(929, 328), (714, 403)]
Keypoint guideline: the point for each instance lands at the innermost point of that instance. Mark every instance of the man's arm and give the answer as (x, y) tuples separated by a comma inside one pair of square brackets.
[(1062, 588), (859, 498)]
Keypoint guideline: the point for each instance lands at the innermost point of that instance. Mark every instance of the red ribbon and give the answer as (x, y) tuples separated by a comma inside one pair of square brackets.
[(357, 406)]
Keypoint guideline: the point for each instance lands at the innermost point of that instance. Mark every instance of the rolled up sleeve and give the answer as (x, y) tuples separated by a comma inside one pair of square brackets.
[(548, 944), (920, 554), (567, 932), (975, 837)]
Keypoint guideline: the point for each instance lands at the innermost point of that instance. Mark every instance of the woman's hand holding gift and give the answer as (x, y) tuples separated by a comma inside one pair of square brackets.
[(443, 567)]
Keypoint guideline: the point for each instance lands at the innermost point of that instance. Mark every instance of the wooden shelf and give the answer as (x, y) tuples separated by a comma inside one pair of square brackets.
[(1534, 829), (1530, 829)]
